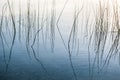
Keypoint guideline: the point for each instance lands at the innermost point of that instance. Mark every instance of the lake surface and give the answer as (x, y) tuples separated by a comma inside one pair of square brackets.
[(59, 42)]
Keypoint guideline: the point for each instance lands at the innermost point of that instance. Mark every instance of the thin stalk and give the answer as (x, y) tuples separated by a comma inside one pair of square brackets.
[(14, 35)]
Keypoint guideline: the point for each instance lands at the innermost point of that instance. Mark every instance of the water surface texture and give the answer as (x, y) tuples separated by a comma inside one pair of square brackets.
[(59, 40)]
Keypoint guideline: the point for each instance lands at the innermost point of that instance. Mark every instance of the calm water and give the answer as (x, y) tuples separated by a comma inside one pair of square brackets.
[(43, 62), (57, 64)]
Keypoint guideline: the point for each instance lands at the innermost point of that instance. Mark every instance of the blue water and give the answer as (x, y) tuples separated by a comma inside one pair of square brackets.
[(39, 62), (57, 65)]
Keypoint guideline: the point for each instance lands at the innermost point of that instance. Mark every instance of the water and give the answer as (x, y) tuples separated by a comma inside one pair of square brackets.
[(57, 55), (57, 64)]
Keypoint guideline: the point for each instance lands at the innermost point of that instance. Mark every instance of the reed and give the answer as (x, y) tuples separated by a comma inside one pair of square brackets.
[(52, 24), (20, 20), (38, 25), (14, 34), (114, 49), (1, 36)]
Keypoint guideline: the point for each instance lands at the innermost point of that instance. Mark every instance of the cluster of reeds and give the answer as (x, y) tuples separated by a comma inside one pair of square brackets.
[(105, 34), (36, 27)]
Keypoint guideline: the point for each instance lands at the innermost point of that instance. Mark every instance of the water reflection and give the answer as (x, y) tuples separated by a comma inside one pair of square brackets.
[(45, 42)]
